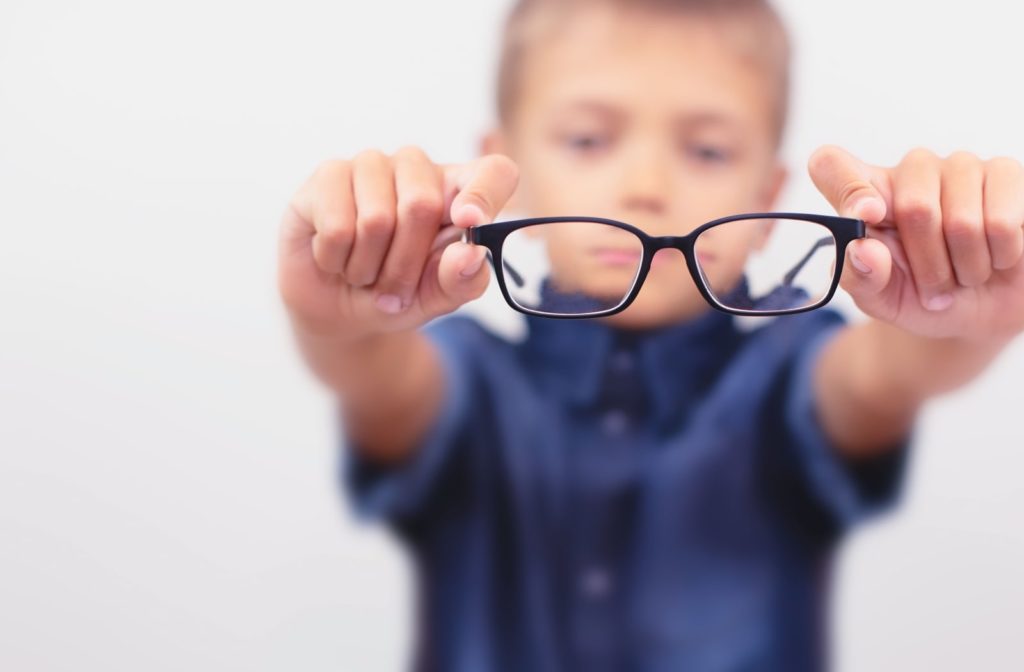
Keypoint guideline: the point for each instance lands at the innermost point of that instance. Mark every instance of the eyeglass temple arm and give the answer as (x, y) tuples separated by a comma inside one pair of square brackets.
[(516, 276), (512, 273), (787, 279)]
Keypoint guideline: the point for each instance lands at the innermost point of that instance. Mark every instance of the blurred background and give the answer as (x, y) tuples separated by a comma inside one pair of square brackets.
[(168, 495)]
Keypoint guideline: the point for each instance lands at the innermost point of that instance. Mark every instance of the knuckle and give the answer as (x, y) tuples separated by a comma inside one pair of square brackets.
[(337, 233), (1000, 226), (375, 223), (407, 152), (479, 197), (962, 226), (1005, 242), (369, 156), (421, 207), (920, 154), (962, 157), (853, 190), (332, 169), (1005, 164), (917, 212)]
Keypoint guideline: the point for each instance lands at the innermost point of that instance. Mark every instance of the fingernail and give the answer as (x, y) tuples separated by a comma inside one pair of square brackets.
[(389, 303), (470, 271), (939, 302), (858, 264)]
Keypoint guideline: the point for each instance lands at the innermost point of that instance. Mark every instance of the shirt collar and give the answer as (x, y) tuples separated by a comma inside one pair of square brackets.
[(675, 362)]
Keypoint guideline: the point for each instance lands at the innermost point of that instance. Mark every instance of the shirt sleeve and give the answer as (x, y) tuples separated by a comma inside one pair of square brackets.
[(842, 492), (402, 492)]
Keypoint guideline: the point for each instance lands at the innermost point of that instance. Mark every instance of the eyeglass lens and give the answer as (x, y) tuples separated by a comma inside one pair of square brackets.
[(766, 265)]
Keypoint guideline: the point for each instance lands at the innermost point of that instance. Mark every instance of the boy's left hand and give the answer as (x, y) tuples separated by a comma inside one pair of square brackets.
[(944, 255)]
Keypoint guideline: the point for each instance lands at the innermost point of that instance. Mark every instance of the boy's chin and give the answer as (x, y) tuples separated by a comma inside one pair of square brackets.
[(650, 313)]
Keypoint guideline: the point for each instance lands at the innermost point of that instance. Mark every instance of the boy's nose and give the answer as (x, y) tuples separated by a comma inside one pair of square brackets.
[(646, 184), (645, 204)]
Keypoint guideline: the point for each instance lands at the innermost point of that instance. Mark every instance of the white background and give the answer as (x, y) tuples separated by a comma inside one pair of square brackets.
[(167, 493)]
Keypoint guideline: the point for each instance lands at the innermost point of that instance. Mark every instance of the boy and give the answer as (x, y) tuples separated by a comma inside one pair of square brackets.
[(655, 489)]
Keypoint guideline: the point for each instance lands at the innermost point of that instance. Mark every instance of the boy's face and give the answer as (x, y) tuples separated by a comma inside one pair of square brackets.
[(653, 120)]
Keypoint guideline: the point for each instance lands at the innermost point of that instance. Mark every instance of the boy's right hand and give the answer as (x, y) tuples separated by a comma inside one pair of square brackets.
[(366, 246)]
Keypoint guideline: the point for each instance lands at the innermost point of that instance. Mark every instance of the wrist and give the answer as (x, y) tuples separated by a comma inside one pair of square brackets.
[(346, 360), (909, 368)]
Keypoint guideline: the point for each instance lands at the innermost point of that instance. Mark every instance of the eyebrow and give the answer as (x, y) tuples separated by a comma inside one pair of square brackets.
[(698, 117)]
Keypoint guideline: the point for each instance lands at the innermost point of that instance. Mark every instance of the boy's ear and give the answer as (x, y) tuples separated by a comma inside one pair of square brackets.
[(493, 142)]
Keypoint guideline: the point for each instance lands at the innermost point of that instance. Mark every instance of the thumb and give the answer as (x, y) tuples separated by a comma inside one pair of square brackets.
[(852, 187), (476, 192)]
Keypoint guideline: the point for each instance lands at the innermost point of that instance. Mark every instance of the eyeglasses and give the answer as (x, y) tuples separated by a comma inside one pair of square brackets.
[(768, 263)]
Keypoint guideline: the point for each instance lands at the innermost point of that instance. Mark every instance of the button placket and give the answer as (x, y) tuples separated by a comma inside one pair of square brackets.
[(595, 582), (615, 422)]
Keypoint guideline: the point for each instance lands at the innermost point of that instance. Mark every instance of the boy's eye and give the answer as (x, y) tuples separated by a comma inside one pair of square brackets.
[(708, 153), (585, 142)]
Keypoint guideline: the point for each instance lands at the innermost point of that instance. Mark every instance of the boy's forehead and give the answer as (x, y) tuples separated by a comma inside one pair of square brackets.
[(607, 61)]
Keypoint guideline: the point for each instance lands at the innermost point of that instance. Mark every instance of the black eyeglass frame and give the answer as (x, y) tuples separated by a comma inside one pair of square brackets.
[(492, 236)]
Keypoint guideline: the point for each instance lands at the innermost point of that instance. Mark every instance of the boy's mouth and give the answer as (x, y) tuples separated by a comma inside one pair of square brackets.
[(612, 256)]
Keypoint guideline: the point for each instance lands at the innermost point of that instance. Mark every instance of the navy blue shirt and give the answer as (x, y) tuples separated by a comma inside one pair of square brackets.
[(598, 499)]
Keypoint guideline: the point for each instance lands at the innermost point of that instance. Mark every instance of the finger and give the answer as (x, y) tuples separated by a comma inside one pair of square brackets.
[(480, 189), (918, 213), (1004, 211), (373, 185), (852, 187), (963, 221), (867, 273), (325, 202), (420, 208)]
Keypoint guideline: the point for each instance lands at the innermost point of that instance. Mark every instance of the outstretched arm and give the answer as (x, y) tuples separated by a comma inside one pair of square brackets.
[(941, 274), (365, 259)]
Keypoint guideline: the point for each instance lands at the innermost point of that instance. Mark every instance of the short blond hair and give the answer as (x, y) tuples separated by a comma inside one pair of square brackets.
[(757, 31)]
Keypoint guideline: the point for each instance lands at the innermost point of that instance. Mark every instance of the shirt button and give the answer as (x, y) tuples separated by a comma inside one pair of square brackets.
[(596, 582), (615, 422), (622, 361)]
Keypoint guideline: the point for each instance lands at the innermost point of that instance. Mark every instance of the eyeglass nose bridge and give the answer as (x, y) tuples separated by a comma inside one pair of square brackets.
[(682, 243)]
